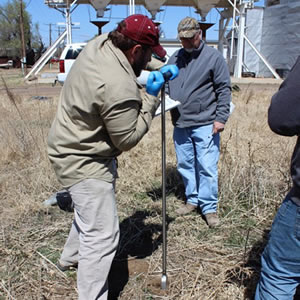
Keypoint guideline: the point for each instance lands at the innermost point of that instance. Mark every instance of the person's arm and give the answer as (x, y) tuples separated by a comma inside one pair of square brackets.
[(154, 64), (127, 120), (222, 88), (284, 110)]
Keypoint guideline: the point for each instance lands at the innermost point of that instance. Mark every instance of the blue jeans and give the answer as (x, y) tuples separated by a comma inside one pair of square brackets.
[(280, 273), (197, 152)]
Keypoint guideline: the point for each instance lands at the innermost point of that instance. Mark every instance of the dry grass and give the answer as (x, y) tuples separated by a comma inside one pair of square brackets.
[(202, 263)]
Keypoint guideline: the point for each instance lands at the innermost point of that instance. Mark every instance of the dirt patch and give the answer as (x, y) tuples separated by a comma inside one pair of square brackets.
[(154, 285), (134, 269)]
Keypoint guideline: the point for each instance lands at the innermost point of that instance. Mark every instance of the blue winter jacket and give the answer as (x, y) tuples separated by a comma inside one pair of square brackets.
[(203, 87)]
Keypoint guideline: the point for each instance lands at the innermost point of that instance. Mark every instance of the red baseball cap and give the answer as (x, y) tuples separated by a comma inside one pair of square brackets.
[(141, 29)]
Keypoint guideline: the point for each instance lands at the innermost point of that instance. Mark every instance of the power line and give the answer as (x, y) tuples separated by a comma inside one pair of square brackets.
[(28, 3)]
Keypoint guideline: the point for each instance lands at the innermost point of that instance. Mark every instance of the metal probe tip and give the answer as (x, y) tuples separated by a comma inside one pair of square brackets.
[(164, 281)]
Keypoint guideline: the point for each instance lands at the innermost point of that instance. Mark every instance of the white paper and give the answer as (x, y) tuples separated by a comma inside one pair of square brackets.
[(232, 107), (169, 104)]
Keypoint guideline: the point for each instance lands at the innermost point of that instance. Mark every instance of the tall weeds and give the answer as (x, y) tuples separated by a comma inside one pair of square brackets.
[(202, 263)]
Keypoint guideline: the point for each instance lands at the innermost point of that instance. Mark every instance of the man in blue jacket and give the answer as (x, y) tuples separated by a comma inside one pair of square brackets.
[(280, 273), (203, 87)]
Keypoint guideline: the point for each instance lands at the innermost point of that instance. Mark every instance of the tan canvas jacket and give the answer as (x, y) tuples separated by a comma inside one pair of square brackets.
[(102, 111)]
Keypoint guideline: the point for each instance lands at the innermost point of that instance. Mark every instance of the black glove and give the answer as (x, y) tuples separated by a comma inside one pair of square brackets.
[(64, 201)]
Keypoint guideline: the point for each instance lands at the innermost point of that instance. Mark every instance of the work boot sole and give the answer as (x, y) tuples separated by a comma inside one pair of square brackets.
[(66, 268), (187, 209), (212, 220)]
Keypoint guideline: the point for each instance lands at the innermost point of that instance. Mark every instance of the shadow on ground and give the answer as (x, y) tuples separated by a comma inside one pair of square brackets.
[(241, 277), (174, 185), (252, 263), (137, 241)]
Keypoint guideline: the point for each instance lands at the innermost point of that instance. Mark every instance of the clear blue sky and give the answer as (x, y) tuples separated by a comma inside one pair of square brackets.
[(83, 14)]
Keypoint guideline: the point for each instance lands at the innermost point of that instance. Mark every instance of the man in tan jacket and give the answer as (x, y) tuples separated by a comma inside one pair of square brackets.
[(102, 111)]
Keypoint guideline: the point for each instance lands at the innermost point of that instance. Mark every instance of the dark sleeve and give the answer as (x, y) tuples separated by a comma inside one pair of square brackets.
[(222, 86), (284, 111)]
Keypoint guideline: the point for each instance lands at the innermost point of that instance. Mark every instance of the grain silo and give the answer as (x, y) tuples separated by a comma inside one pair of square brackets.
[(275, 32)]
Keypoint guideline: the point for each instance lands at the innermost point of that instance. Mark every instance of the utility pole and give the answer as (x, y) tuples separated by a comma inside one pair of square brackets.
[(50, 35), (68, 23), (23, 55)]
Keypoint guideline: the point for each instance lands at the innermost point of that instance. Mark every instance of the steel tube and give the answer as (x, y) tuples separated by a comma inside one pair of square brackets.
[(163, 163)]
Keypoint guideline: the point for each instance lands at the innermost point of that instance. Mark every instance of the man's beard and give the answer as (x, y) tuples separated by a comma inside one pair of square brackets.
[(189, 50), (139, 65)]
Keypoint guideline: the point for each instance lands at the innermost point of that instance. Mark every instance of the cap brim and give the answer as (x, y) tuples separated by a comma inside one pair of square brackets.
[(159, 51), (188, 34)]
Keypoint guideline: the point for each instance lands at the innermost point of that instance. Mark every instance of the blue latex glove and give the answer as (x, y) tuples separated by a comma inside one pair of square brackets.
[(172, 69), (154, 83)]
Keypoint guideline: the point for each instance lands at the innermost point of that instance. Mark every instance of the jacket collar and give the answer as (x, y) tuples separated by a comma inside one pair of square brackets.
[(122, 60), (195, 53)]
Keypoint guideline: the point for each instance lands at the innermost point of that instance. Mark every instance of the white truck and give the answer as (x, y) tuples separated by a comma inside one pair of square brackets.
[(66, 60), (68, 57)]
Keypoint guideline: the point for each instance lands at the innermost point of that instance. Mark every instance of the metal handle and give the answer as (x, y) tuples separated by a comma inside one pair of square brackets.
[(163, 163), (167, 75)]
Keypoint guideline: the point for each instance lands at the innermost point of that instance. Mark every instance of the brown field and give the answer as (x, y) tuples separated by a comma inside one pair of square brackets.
[(202, 263)]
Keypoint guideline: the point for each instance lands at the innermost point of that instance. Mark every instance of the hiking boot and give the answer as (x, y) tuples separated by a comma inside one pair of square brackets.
[(186, 209), (212, 220), (66, 268)]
